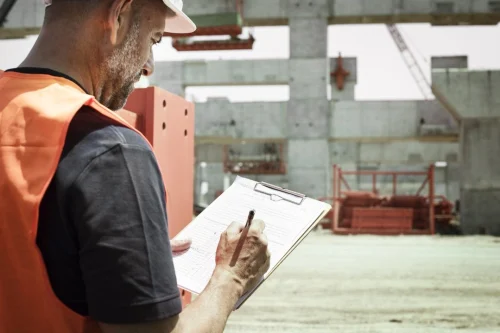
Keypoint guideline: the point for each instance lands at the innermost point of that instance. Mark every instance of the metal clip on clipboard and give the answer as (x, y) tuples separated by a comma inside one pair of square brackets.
[(278, 192)]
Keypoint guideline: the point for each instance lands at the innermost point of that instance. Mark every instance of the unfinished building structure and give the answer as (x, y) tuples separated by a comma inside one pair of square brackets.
[(301, 139)]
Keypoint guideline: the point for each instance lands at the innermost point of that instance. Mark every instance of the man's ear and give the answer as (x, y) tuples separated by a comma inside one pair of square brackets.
[(119, 16)]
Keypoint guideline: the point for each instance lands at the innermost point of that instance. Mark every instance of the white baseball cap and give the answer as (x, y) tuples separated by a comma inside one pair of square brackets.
[(179, 24)]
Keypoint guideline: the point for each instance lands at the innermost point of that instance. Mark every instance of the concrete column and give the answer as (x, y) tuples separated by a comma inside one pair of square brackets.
[(480, 176), (308, 109), (473, 93)]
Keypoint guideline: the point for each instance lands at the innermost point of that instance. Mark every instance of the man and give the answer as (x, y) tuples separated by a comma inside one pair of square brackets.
[(83, 224)]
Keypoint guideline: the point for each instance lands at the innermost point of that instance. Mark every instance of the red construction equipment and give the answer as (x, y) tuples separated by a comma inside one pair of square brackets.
[(340, 73), (228, 25), (167, 121), (233, 43), (367, 212), (263, 159)]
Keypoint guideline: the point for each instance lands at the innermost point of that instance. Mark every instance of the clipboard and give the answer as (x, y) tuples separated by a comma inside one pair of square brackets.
[(277, 193), (289, 216)]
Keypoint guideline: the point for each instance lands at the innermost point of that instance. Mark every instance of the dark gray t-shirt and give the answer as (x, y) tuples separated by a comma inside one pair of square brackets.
[(103, 225)]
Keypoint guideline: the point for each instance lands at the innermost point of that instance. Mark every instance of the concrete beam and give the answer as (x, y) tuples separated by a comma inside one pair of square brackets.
[(301, 71), (277, 12), (259, 120), (374, 119), (223, 72), (472, 93), (394, 153), (27, 15), (218, 119), (449, 62)]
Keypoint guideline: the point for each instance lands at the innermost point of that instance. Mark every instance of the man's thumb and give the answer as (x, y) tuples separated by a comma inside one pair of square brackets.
[(179, 245)]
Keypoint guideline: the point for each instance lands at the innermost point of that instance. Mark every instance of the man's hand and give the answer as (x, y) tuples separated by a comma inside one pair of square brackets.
[(254, 258), (180, 245)]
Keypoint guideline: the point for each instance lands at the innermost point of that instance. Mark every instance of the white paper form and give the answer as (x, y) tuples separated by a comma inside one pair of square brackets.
[(286, 222)]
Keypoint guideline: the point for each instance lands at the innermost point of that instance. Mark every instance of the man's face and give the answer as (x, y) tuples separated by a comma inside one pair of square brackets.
[(133, 57)]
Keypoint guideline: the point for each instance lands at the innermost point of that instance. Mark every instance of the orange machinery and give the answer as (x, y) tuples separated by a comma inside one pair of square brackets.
[(366, 212), (167, 121)]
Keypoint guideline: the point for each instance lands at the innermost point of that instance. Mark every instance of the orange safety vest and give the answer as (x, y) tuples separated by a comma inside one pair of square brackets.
[(35, 112)]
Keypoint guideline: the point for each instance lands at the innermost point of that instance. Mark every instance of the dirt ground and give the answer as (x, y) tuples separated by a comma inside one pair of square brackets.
[(372, 284)]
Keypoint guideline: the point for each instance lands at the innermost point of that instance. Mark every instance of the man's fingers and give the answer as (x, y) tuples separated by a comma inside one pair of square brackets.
[(257, 226), (234, 228), (263, 238), (264, 268), (180, 245)]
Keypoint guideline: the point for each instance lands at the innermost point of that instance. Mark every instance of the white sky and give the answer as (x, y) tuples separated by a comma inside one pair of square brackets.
[(382, 73)]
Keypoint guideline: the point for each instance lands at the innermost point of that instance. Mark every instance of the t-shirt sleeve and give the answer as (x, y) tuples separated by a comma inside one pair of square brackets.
[(118, 206)]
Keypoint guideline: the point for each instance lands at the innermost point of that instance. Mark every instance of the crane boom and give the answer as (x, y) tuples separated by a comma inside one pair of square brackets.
[(428, 90)]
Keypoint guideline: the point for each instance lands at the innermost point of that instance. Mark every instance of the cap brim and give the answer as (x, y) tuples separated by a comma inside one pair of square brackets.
[(180, 23)]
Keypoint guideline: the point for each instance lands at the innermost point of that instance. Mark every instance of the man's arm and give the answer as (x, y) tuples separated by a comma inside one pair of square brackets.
[(211, 309), (117, 207), (208, 313)]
